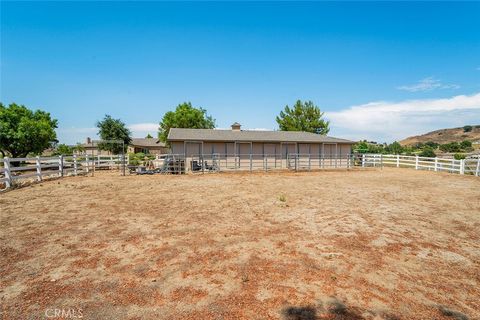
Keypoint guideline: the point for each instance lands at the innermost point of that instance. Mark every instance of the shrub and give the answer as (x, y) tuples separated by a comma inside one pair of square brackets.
[(451, 147), (465, 144), (139, 158), (394, 148), (418, 145), (431, 144), (132, 159), (459, 156), (427, 152), (467, 128)]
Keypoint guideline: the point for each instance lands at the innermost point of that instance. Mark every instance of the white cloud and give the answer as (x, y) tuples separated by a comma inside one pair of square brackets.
[(428, 84), (72, 135), (140, 130), (388, 121), (143, 127)]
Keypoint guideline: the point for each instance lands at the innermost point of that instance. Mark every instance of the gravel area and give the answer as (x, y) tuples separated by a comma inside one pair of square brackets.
[(358, 244)]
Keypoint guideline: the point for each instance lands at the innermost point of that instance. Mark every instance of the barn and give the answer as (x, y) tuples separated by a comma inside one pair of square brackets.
[(247, 148)]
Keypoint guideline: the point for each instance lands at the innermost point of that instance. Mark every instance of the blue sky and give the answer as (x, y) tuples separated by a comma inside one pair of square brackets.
[(380, 71)]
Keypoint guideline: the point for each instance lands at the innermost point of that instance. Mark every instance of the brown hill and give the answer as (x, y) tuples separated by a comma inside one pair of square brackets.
[(445, 136)]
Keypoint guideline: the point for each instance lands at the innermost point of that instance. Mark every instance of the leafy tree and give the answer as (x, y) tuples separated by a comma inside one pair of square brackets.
[(394, 148), (408, 151), (23, 131), (465, 144), (431, 144), (368, 147), (185, 116), (361, 147), (450, 147), (79, 147), (427, 152), (467, 128), (149, 136), (113, 129), (303, 116), (63, 149), (418, 145)]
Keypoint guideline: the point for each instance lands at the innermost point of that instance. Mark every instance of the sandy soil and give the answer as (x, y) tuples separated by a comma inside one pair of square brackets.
[(378, 244)]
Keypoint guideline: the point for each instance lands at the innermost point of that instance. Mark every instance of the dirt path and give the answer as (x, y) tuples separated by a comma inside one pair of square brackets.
[(386, 244)]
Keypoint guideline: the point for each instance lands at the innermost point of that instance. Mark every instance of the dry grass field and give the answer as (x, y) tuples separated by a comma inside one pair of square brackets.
[(376, 244)]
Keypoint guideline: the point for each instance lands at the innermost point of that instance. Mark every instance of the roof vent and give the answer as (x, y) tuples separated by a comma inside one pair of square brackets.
[(236, 126)]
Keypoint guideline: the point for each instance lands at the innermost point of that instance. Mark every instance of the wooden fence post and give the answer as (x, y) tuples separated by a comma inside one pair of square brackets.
[(251, 160), (60, 165), (436, 164), (38, 166), (398, 161), (477, 171), (87, 162), (462, 166), (416, 162), (75, 164), (8, 174), (363, 160)]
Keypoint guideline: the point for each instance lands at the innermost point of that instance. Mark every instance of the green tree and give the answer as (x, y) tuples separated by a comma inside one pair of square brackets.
[(431, 144), (465, 144), (113, 129), (149, 136), (451, 147), (23, 131), (427, 152), (467, 128), (369, 147), (79, 147), (185, 116), (303, 116), (394, 148), (63, 149), (361, 147)]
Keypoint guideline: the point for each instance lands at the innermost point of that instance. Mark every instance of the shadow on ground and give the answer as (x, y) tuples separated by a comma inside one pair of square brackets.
[(334, 310)]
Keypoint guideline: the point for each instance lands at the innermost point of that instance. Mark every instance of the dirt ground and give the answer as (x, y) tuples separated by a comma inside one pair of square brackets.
[(376, 244)]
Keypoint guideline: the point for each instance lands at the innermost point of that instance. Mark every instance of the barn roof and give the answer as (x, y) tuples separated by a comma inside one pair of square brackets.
[(146, 142), (178, 134)]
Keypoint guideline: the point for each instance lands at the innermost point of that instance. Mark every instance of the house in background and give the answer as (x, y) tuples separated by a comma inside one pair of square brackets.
[(147, 145), (144, 145)]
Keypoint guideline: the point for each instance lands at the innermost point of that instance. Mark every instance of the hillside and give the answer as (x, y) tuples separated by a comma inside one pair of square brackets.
[(444, 136)]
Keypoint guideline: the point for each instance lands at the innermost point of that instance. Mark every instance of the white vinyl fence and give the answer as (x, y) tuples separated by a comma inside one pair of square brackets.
[(13, 170), (470, 165)]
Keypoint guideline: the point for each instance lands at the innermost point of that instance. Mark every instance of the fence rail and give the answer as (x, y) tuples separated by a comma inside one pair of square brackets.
[(37, 168), (249, 162), (470, 165), (13, 170)]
